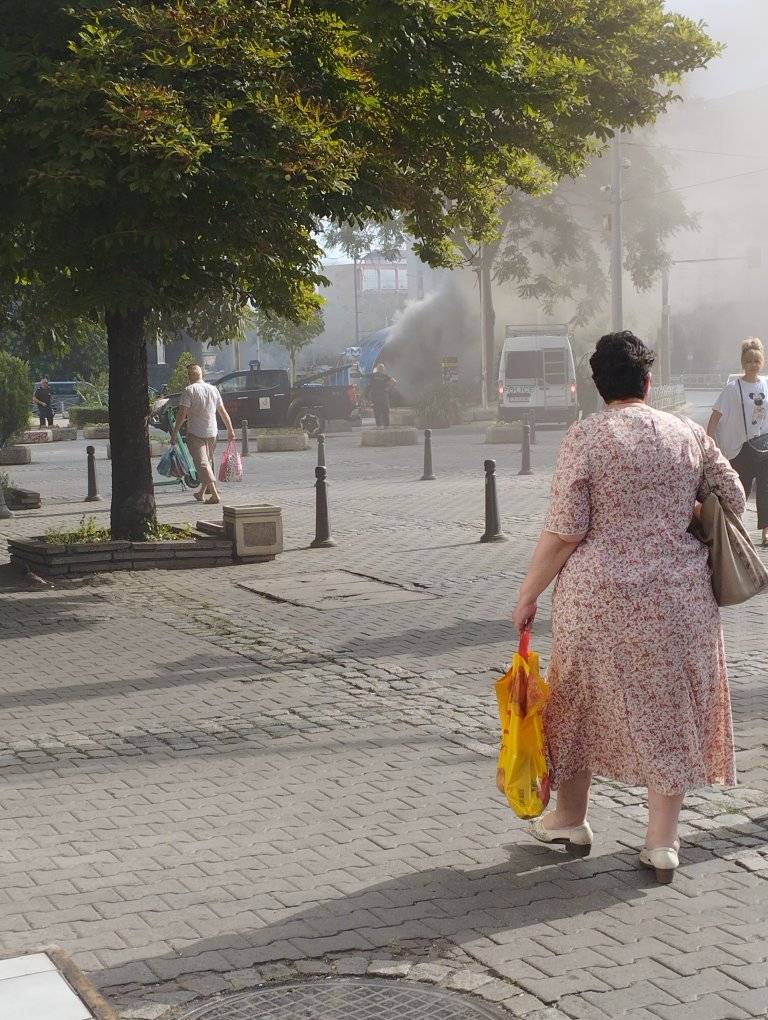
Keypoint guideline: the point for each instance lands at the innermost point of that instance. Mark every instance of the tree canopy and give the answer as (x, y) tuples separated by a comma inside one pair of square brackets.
[(154, 153), (159, 155)]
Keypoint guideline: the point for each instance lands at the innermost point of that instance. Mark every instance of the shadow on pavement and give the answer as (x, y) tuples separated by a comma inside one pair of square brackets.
[(469, 906)]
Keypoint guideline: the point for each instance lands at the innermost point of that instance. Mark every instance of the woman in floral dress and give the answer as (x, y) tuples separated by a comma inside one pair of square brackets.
[(639, 687)]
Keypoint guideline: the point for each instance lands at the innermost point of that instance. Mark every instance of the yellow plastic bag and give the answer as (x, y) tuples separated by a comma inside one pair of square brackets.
[(522, 773)]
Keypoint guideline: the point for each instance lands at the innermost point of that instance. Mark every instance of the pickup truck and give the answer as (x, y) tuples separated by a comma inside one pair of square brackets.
[(265, 398)]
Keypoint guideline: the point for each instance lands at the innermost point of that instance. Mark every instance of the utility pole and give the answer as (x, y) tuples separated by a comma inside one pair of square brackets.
[(617, 244), (483, 329), (357, 305)]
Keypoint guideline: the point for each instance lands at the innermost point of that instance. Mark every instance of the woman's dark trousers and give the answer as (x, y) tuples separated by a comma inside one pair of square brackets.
[(753, 467)]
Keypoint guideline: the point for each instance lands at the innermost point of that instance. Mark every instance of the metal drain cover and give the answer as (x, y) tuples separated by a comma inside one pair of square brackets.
[(347, 999)]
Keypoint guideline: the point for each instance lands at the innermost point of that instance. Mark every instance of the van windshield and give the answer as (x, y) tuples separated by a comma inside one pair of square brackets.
[(524, 365)]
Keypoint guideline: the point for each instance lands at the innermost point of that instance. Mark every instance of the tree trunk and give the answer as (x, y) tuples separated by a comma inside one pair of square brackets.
[(490, 332), (292, 363), (133, 497)]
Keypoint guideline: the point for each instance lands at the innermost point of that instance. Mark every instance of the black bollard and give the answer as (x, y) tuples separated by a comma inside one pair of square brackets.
[(428, 475), (93, 492), (322, 537), (244, 426), (532, 423), (493, 532), (525, 467), (320, 450)]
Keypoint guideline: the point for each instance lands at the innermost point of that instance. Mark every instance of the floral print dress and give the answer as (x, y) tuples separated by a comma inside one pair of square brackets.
[(639, 686)]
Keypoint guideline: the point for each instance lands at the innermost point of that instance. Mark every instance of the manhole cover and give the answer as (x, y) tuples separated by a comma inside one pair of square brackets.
[(347, 999), (333, 589)]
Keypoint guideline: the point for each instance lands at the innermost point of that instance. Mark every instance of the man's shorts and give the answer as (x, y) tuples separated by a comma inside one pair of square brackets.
[(203, 454)]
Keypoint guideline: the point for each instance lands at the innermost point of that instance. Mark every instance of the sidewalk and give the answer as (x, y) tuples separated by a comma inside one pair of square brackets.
[(206, 788)]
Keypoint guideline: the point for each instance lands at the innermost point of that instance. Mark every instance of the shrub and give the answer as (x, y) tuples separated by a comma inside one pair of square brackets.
[(15, 396), (441, 405), (179, 379), (80, 416)]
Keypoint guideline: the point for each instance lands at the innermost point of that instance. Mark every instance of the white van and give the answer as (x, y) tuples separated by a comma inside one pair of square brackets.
[(537, 375)]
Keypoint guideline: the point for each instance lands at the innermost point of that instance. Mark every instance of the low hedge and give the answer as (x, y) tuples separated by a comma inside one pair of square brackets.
[(80, 416)]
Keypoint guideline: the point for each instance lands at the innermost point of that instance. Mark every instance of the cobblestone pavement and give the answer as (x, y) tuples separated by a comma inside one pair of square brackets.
[(205, 788)]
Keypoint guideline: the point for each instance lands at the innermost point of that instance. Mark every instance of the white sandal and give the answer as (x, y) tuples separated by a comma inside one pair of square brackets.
[(577, 841), (664, 860)]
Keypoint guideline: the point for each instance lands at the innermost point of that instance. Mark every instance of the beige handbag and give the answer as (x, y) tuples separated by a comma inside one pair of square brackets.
[(738, 573)]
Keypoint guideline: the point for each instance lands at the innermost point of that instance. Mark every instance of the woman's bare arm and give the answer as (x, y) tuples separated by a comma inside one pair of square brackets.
[(714, 421), (549, 557)]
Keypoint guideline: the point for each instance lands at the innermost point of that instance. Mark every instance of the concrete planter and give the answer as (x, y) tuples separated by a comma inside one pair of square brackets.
[(10, 455), (402, 416), (36, 436), (389, 437), (21, 499), (257, 531), (96, 432), (61, 435), (284, 442), (51, 560), (507, 433)]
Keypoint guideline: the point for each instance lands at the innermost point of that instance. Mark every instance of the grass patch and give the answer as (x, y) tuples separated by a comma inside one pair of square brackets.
[(90, 531)]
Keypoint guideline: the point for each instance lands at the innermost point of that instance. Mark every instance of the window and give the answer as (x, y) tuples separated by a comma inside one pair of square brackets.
[(370, 279), (524, 365), (554, 367), (402, 279), (269, 379), (388, 279), (234, 383)]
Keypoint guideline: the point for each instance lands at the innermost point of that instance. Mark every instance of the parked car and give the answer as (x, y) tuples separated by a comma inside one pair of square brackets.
[(265, 398), (64, 393)]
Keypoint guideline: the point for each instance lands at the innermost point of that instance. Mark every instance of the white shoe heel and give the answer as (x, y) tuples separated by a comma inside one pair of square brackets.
[(577, 841), (664, 861)]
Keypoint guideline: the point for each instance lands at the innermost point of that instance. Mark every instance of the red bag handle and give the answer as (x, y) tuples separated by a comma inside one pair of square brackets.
[(524, 648)]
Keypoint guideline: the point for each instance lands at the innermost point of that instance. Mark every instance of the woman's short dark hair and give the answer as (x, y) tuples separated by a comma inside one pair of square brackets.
[(620, 366)]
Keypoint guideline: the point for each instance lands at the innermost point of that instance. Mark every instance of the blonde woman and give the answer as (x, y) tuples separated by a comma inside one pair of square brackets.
[(739, 418)]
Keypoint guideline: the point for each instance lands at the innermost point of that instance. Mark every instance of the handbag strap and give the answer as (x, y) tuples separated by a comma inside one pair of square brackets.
[(743, 412), (700, 445)]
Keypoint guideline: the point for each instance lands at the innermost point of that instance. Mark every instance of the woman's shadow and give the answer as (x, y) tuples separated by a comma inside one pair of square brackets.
[(466, 905)]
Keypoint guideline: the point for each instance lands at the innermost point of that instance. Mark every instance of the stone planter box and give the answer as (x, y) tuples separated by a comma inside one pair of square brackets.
[(277, 442), (96, 432), (64, 435), (36, 436), (389, 437), (21, 499), (508, 433), (10, 455), (402, 416), (257, 531), (51, 560)]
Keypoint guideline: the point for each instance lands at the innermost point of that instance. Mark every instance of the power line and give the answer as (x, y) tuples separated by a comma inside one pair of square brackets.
[(700, 152), (701, 184)]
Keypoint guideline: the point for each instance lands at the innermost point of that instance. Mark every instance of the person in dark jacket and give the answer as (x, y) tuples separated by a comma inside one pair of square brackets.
[(379, 387), (43, 401)]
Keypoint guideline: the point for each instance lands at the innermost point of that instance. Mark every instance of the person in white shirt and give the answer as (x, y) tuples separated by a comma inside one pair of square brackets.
[(739, 419), (199, 405)]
